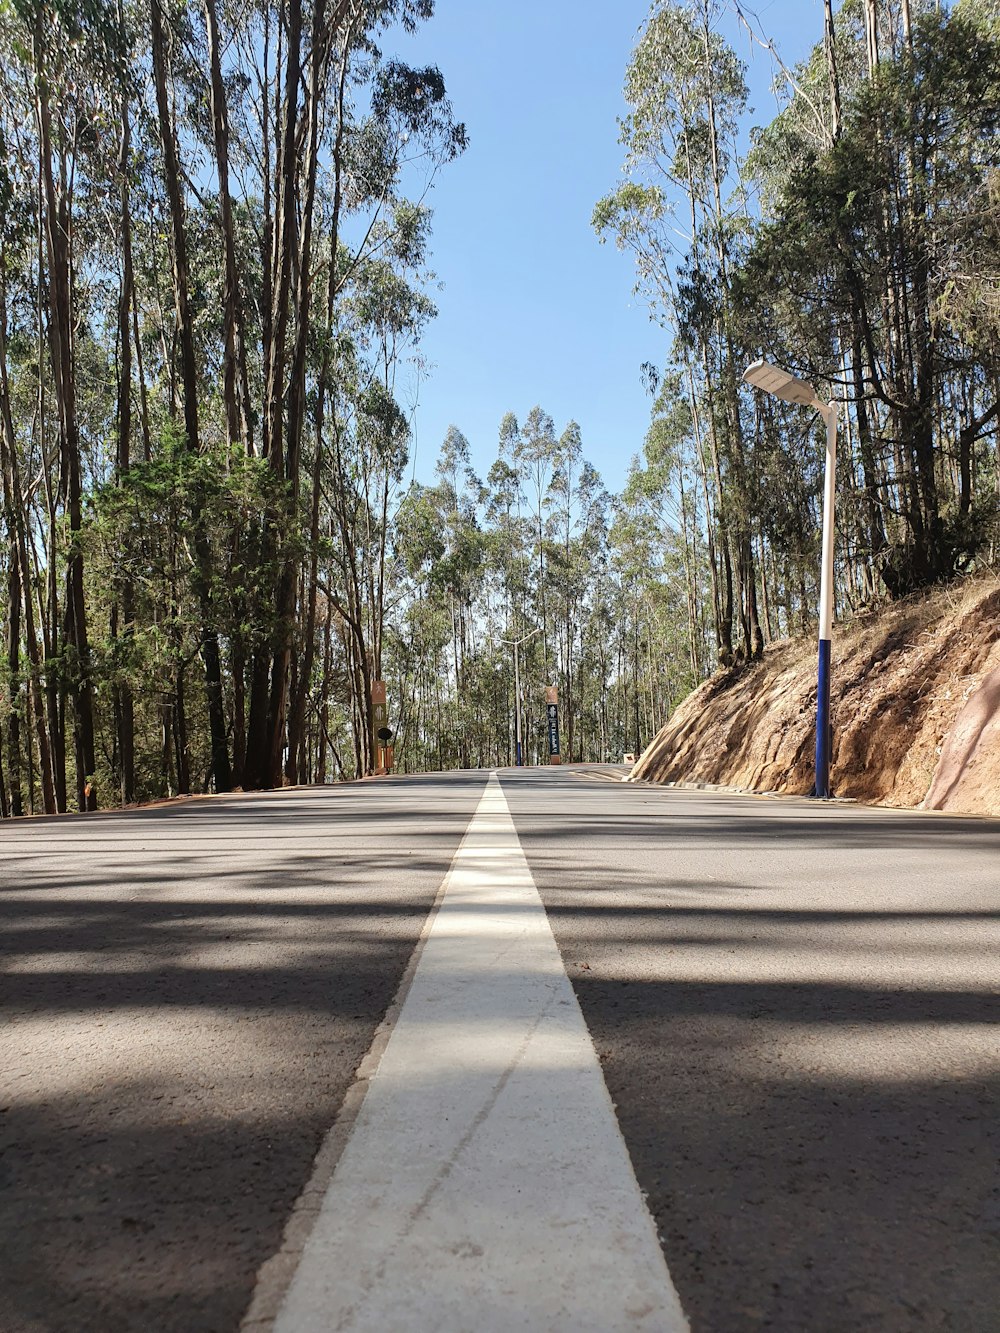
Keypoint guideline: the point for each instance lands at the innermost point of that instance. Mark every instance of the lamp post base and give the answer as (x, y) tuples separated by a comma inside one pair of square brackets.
[(823, 737)]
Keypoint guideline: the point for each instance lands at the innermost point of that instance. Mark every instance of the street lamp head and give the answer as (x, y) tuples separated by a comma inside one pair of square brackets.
[(530, 635), (781, 384), (514, 643)]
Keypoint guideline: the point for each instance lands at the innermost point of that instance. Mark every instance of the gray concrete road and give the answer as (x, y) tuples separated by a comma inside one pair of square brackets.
[(186, 993), (796, 1008)]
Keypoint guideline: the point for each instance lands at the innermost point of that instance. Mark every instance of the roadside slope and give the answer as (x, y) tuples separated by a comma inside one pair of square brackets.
[(916, 688)]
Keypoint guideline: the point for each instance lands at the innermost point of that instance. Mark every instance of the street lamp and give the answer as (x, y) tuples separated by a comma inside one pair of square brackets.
[(782, 384), (515, 644)]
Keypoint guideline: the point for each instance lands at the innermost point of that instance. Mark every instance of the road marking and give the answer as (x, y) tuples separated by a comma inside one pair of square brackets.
[(485, 1186)]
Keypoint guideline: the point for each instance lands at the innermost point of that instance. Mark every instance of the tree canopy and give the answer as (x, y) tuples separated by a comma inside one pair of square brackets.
[(214, 270)]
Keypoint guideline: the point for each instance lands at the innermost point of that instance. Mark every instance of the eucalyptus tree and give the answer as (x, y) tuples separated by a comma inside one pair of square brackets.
[(686, 91), (854, 243), (567, 585), (364, 447), (667, 484), (206, 209), (190, 386), (318, 125), (535, 454), (471, 582), (510, 528), (867, 232), (460, 568), (376, 309), (61, 62)]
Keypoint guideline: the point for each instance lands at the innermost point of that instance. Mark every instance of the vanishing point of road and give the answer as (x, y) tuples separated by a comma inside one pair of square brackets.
[(531, 1050)]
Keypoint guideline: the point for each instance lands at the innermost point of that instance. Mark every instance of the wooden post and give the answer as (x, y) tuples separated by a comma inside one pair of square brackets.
[(380, 725)]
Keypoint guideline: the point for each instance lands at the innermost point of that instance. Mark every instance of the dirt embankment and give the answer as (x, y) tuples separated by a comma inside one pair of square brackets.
[(916, 710)]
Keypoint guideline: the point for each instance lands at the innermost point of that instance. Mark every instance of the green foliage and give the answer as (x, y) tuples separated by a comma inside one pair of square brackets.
[(229, 588), (860, 254)]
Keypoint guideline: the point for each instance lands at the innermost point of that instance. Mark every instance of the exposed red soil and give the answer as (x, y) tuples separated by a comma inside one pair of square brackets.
[(916, 710)]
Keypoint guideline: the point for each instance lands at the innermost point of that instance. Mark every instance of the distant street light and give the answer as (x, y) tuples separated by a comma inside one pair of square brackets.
[(782, 384), (515, 644)]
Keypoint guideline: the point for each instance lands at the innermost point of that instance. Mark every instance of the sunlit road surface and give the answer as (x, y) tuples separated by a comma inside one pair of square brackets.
[(187, 993), (794, 1007)]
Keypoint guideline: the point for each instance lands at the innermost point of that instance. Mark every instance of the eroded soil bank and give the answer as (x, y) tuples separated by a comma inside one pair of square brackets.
[(916, 710)]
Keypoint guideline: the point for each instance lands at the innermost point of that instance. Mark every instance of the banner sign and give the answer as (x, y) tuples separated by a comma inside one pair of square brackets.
[(380, 713), (380, 726), (552, 719)]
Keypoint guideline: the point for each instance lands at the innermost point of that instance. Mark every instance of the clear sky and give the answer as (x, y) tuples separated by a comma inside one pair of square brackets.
[(533, 309)]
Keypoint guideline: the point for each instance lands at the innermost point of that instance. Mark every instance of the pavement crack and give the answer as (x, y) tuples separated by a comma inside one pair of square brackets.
[(445, 1170), (482, 1115)]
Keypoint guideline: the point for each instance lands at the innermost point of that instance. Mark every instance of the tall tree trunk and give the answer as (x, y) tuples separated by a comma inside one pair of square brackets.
[(58, 227), (830, 50), (14, 503), (297, 710), (268, 699), (14, 689), (692, 606), (871, 35), (907, 17), (753, 638), (211, 655), (236, 382), (181, 752), (124, 702)]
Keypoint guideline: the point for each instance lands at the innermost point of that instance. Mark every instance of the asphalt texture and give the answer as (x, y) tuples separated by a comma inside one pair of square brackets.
[(186, 994), (794, 1003), (796, 1006)]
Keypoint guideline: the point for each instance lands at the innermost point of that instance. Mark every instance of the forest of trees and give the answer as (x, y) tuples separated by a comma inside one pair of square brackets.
[(213, 269), (855, 241)]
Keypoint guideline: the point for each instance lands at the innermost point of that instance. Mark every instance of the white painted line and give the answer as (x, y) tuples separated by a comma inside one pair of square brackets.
[(486, 1186)]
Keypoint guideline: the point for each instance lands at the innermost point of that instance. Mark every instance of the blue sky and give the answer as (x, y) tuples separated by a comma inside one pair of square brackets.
[(532, 308)]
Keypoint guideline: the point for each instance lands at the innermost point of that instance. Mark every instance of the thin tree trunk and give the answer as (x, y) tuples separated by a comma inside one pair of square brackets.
[(14, 502), (58, 225), (124, 702), (830, 49), (14, 689), (236, 383), (211, 655)]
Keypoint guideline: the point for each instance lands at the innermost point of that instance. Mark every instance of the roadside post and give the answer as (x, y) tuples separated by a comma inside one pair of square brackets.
[(552, 722), (380, 725), (790, 389)]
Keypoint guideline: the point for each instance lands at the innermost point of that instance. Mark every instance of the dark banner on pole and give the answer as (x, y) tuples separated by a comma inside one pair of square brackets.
[(552, 720)]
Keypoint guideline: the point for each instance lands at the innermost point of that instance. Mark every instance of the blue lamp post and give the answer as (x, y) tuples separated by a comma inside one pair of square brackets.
[(788, 387)]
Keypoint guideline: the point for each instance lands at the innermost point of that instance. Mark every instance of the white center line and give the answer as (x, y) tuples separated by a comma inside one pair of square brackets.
[(485, 1186)]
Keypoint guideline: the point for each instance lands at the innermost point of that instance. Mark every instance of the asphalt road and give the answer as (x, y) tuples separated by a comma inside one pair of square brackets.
[(795, 1007), (187, 992)]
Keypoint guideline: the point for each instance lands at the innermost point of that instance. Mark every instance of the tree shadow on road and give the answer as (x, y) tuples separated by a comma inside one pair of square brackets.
[(183, 1014), (813, 1158)]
